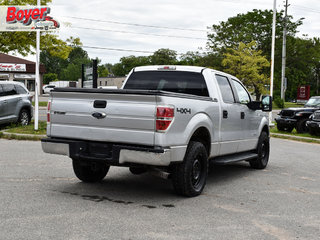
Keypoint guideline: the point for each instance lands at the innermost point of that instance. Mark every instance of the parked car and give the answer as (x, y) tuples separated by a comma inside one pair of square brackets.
[(170, 120), (314, 123), (48, 88), (291, 118), (15, 103)]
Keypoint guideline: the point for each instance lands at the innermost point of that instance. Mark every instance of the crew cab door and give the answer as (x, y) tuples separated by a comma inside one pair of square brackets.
[(230, 129), (249, 119)]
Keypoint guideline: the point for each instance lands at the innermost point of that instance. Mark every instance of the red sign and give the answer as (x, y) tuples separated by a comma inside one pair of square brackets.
[(303, 93), (26, 16)]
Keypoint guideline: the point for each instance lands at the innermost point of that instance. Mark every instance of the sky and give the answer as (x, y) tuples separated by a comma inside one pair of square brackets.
[(181, 25)]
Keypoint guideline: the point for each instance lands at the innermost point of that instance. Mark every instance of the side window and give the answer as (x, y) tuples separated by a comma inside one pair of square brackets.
[(242, 93), (20, 90), (1, 91), (225, 88), (9, 89)]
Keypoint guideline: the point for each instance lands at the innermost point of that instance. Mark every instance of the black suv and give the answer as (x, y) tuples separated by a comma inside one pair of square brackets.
[(314, 123), (290, 118)]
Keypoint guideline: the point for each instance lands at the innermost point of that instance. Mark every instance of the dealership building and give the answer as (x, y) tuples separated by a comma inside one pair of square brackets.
[(19, 70)]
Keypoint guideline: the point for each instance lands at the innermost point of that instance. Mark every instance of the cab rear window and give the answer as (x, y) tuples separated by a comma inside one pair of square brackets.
[(171, 81)]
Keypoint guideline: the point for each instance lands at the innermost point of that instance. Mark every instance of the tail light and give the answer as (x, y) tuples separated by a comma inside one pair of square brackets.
[(165, 117), (48, 111), (30, 98)]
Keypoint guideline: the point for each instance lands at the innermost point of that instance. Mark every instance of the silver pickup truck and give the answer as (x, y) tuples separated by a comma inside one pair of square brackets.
[(166, 119)]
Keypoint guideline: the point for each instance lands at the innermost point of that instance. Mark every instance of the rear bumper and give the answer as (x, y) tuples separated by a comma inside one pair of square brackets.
[(111, 153)]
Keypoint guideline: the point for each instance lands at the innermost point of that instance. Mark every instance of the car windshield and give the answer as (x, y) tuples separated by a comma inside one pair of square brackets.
[(313, 102)]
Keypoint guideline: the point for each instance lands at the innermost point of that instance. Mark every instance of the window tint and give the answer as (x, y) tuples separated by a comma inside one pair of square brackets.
[(242, 93), (171, 81), (225, 88), (9, 89), (20, 90)]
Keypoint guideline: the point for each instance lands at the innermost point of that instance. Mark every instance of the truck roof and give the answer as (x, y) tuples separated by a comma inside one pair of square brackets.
[(177, 68)]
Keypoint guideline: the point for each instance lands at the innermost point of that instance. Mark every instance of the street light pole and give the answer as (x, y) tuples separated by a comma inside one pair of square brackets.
[(37, 83), (283, 71), (272, 53)]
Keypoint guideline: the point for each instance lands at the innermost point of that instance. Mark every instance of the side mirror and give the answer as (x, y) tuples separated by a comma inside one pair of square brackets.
[(265, 105)]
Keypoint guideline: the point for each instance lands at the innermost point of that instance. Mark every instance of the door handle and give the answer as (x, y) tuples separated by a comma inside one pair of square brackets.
[(242, 115), (5, 101), (225, 114)]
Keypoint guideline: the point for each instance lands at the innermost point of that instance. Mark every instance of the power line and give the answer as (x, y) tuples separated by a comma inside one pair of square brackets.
[(306, 9), (136, 24), (148, 34), (118, 49)]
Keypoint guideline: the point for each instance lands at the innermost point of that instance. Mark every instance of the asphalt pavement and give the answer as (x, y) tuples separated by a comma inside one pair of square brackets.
[(40, 198)]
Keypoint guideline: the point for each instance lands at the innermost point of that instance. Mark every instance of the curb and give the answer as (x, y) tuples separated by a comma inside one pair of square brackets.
[(294, 137), (21, 136)]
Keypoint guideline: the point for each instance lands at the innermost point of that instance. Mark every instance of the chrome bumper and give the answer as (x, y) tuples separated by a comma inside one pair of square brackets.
[(120, 154)]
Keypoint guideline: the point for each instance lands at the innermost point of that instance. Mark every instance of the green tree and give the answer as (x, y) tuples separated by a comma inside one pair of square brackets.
[(76, 58), (247, 64), (127, 63), (251, 26), (103, 71), (208, 59), (49, 77), (164, 56), (303, 65)]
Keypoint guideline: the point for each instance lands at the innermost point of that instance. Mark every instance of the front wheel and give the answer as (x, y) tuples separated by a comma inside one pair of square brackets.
[(93, 172), (284, 128), (302, 126), (189, 177), (263, 151)]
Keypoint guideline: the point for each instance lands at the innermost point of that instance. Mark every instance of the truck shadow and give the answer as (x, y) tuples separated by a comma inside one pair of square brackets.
[(146, 190)]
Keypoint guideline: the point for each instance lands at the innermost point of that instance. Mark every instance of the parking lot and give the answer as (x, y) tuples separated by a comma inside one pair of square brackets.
[(40, 198)]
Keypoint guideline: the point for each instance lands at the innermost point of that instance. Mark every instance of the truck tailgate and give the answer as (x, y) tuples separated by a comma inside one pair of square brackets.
[(126, 118)]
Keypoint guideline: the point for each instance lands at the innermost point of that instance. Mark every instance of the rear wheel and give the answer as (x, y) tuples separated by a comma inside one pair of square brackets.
[(263, 150), (302, 126), (189, 177), (93, 172), (24, 117)]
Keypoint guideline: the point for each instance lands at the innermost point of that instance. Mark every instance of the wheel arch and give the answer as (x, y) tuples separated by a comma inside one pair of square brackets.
[(202, 135)]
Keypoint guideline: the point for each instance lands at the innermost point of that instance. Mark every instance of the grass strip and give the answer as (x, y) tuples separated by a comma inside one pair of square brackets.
[(19, 137), (293, 133), (41, 104), (295, 138), (29, 129)]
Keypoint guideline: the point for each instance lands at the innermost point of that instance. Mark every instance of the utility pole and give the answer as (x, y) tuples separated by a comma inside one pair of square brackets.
[(272, 53), (283, 70)]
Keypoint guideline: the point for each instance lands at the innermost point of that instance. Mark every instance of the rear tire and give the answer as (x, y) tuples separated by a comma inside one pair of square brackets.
[(24, 117), (93, 172), (263, 151), (189, 177)]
